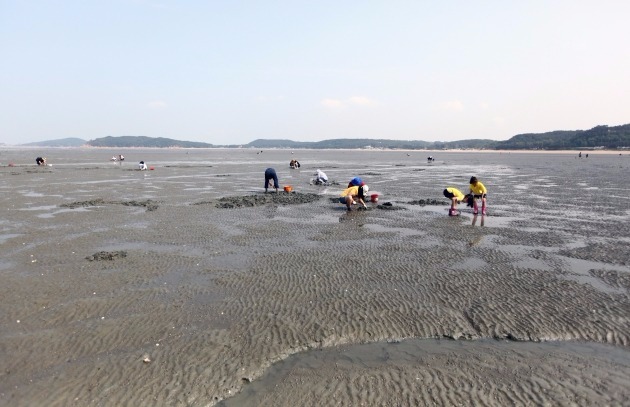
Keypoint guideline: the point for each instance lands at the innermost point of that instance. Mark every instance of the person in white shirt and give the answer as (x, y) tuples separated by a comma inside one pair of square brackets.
[(321, 177), (142, 166)]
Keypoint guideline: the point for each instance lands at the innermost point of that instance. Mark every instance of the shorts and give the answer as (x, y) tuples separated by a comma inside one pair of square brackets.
[(449, 195), (342, 199), (480, 196)]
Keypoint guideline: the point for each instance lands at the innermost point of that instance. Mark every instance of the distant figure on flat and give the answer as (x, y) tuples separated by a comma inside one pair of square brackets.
[(430, 158), (114, 158), (40, 161), (270, 174), (121, 157), (294, 164), (580, 155), (142, 166)]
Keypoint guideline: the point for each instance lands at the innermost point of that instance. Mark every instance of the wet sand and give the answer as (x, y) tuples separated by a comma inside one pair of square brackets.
[(188, 285)]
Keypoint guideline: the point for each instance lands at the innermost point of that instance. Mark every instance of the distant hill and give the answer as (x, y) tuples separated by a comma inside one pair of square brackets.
[(595, 138), (64, 142), (143, 141), (598, 137)]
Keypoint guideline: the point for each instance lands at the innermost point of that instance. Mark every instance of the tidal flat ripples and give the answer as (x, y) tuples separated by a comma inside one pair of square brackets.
[(526, 306)]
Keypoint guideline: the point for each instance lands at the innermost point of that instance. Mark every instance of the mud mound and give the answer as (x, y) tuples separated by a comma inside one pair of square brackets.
[(148, 204), (100, 256), (281, 198), (429, 201), (388, 206), (83, 204)]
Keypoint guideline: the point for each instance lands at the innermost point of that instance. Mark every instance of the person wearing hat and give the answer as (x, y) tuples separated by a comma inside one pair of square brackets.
[(142, 166), (456, 196), (270, 174), (356, 182), (478, 190), (352, 194)]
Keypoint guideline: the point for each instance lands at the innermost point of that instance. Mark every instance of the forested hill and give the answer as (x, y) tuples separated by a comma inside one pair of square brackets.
[(600, 137), (597, 137), (143, 141)]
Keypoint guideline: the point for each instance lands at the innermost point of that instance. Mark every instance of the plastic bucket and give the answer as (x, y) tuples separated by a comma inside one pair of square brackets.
[(374, 197), (288, 188)]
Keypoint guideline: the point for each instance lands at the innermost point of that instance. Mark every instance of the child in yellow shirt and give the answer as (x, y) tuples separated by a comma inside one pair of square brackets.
[(478, 190)]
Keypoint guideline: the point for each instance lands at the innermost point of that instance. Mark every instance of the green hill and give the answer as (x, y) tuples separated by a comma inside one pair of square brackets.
[(597, 137), (64, 142), (600, 137), (143, 141)]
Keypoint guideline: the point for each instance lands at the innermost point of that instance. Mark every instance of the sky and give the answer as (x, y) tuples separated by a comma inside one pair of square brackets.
[(230, 72)]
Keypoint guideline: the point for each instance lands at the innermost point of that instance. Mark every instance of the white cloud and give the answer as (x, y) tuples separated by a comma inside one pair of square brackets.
[(452, 106), (332, 103), (157, 104), (361, 101), (351, 101)]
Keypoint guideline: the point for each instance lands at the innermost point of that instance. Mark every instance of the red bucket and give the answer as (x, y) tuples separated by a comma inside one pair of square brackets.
[(374, 198)]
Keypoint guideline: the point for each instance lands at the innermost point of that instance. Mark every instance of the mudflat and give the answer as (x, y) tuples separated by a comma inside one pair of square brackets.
[(188, 285)]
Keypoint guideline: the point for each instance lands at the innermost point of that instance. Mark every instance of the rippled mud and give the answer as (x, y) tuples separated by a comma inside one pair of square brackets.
[(230, 294)]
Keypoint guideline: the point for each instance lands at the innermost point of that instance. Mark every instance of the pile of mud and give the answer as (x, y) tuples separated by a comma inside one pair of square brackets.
[(281, 198), (100, 256), (149, 204), (428, 201)]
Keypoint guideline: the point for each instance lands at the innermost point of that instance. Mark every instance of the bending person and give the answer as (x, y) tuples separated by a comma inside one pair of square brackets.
[(456, 196), (479, 191), (354, 193), (270, 174), (320, 177)]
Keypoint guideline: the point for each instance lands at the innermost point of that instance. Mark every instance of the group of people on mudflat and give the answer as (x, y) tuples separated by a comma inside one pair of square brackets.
[(357, 190)]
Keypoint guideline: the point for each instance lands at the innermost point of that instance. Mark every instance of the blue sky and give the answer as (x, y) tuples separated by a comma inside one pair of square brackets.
[(229, 72)]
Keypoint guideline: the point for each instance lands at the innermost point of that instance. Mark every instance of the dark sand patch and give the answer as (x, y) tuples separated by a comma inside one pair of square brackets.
[(149, 204), (100, 256), (389, 206), (280, 198), (429, 201)]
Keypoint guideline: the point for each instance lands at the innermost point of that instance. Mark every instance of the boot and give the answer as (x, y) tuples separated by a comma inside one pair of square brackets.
[(475, 208)]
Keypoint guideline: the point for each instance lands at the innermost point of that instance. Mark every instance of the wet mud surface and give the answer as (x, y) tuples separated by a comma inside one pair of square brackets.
[(527, 306)]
